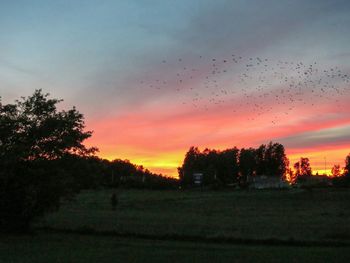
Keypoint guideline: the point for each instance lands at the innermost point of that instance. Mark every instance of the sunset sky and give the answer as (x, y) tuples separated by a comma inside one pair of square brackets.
[(153, 78)]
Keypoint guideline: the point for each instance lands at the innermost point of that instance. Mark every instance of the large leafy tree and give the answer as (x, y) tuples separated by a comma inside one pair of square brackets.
[(35, 140)]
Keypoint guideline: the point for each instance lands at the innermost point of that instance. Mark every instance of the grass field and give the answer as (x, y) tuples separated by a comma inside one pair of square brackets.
[(73, 248), (319, 215), (192, 226)]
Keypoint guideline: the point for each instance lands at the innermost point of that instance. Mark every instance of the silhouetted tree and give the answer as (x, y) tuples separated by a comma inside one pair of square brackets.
[(305, 167), (219, 167), (297, 169), (227, 165), (260, 160), (271, 160), (302, 169), (209, 166), (290, 176), (34, 140), (247, 164), (276, 160), (343, 181), (336, 172), (224, 167), (190, 165)]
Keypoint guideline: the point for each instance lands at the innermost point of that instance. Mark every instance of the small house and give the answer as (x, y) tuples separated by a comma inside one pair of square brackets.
[(267, 182)]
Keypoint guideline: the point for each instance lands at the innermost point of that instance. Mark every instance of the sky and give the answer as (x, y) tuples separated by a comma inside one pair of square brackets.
[(153, 78)]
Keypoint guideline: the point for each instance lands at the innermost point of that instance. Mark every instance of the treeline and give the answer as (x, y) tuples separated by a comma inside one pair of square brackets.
[(92, 172), (233, 166), (240, 166)]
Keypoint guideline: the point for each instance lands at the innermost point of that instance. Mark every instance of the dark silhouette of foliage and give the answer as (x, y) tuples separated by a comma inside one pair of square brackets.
[(85, 172), (276, 162), (232, 166), (290, 175), (218, 167), (336, 172), (122, 173), (302, 169), (297, 169), (190, 165), (247, 164), (271, 160), (35, 138), (260, 160), (229, 167), (343, 181)]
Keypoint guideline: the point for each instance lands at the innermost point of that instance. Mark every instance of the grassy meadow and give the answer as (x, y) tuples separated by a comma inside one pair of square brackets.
[(191, 226), (317, 215), (74, 248)]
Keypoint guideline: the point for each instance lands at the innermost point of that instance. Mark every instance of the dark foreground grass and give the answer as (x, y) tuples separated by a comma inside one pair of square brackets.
[(62, 248), (319, 215), (191, 226)]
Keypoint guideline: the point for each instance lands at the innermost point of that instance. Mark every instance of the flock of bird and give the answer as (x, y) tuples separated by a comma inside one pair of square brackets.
[(253, 85)]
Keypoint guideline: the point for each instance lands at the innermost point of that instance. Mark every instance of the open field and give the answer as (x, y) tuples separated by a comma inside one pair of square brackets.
[(191, 226), (64, 248), (319, 215)]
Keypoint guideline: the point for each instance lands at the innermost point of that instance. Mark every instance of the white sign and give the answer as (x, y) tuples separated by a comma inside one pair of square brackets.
[(197, 178)]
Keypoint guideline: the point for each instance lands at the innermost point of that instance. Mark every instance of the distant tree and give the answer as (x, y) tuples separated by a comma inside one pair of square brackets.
[(276, 160), (336, 171), (271, 160), (290, 176), (247, 164), (305, 167), (34, 140), (302, 169), (123, 173), (297, 169), (231, 165), (219, 167), (260, 160), (210, 163), (190, 165), (228, 165), (343, 181)]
